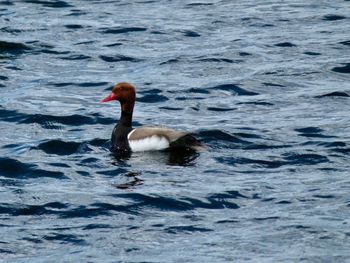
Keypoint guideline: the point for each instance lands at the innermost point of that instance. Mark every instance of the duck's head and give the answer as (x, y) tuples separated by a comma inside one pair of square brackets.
[(124, 93)]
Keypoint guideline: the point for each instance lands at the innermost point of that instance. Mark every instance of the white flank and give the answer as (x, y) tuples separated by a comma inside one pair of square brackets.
[(153, 143)]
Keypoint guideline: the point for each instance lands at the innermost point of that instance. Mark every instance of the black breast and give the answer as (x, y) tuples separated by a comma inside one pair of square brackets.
[(120, 138)]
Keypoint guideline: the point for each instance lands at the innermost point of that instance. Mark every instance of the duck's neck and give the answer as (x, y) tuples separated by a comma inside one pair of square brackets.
[(126, 115), (125, 119)]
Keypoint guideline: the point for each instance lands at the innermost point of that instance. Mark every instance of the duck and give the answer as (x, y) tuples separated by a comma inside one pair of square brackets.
[(145, 138)]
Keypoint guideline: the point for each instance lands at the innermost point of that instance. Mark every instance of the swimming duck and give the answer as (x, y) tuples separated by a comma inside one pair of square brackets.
[(145, 138)]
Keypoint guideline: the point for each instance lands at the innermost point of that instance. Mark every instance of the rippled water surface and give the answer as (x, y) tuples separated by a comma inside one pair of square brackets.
[(264, 84)]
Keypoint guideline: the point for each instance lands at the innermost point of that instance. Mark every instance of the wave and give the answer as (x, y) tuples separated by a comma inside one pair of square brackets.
[(47, 121), (122, 30), (51, 4), (11, 168)]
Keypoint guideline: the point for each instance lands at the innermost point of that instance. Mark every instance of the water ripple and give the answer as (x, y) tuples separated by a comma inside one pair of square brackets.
[(234, 89), (333, 17), (52, 4), (118, 58), (13, 47), (122, 30), (15, 169), (334, 94), (285, 44), (344, 69), (61, 147), (46, 121)]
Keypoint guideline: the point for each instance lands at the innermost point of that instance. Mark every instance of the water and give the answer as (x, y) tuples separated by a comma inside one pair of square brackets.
[(264, 84)]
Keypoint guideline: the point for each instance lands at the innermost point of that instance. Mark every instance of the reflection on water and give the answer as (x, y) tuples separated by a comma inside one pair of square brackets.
[(181, 157), (174, 157), (133, 180)]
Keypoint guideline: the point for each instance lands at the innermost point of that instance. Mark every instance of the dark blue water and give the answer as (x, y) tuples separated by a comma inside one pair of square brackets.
[(264, 84)]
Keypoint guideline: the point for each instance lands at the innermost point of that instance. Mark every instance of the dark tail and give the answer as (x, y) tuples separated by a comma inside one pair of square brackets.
[(188, 141)]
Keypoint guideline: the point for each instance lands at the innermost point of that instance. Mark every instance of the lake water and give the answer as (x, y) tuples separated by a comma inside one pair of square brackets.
[(264, 84)]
